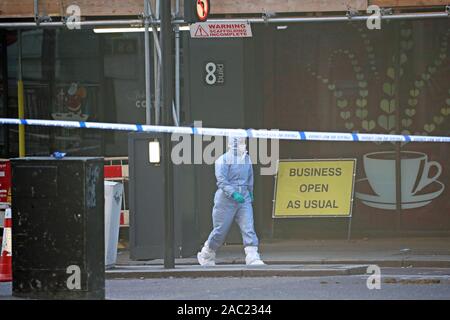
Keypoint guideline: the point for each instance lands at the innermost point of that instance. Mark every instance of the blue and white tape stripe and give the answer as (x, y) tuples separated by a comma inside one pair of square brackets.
[(252, 133)]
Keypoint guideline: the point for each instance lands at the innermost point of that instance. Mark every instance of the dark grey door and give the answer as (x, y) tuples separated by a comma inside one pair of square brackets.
[(146, 190)]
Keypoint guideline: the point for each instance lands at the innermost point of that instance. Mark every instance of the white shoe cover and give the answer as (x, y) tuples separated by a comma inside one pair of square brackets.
[(206, 257), (252, 257)]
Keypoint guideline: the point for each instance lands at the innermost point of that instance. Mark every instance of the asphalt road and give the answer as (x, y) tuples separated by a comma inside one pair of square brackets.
[(395, 284)]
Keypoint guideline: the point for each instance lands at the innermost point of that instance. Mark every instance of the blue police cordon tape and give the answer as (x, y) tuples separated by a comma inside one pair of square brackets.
[(250, 133)]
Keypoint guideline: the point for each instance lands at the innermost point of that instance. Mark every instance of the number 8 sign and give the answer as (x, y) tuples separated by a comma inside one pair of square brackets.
[(211, 78), (214, 73)]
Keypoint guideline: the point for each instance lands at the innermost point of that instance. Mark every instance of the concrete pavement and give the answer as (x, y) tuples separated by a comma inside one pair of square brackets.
[(299, 258), (195, 271), (395, 252)]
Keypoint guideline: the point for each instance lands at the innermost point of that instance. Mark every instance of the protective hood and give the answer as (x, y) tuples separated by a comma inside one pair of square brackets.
[(238, 146)]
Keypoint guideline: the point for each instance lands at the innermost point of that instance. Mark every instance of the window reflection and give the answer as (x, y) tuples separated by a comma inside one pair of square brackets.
[(75, 75)]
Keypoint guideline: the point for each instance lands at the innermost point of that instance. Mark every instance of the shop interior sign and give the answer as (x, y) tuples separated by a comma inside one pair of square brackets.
[(314, 188), (5, 184)]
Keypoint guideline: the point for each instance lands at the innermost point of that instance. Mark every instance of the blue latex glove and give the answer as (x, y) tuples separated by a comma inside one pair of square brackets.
[(238, 197), (251, 196)]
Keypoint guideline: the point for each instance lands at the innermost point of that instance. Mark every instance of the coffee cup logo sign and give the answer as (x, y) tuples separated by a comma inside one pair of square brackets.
[(419, 180), (365, 112)]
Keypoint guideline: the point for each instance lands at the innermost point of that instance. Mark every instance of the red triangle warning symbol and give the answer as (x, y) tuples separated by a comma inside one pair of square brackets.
[(201, 32)]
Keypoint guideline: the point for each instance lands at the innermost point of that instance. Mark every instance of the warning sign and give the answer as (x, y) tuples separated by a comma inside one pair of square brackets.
[(314, 188), (201, 32), (221, 30)]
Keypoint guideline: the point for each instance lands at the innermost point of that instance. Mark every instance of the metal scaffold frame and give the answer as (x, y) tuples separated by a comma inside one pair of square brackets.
[(151, 22), (166, 101), (266, 19)]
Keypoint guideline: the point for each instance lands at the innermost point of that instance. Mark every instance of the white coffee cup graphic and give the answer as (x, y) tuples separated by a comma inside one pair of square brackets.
[(415, 171)]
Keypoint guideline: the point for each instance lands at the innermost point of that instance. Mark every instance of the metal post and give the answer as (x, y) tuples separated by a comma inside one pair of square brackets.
[(158, 9), (398, 157), (157, 72), (148, 117), (177, 64), (20, 96), (350, 219), (398, 186), (177, 73), (349, 228), (177, 8), (156, 64), (167, 98), (36, 10)]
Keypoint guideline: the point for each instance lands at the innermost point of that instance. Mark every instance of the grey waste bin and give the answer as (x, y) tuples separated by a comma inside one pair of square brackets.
[(113, 203)]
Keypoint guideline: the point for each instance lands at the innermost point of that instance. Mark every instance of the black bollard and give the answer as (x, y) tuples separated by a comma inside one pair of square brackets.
[(58, 228)]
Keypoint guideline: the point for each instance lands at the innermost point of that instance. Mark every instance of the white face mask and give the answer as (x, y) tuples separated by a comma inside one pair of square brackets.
[(242, 149), (238, 145)]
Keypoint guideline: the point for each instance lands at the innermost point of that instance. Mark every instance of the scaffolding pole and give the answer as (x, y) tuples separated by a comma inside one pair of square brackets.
[(156, 62), (263, 19), (148, 117), (177, 65), (20, 96)]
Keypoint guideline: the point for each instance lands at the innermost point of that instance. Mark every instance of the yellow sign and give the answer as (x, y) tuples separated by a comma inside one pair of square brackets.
[(314, 188)]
